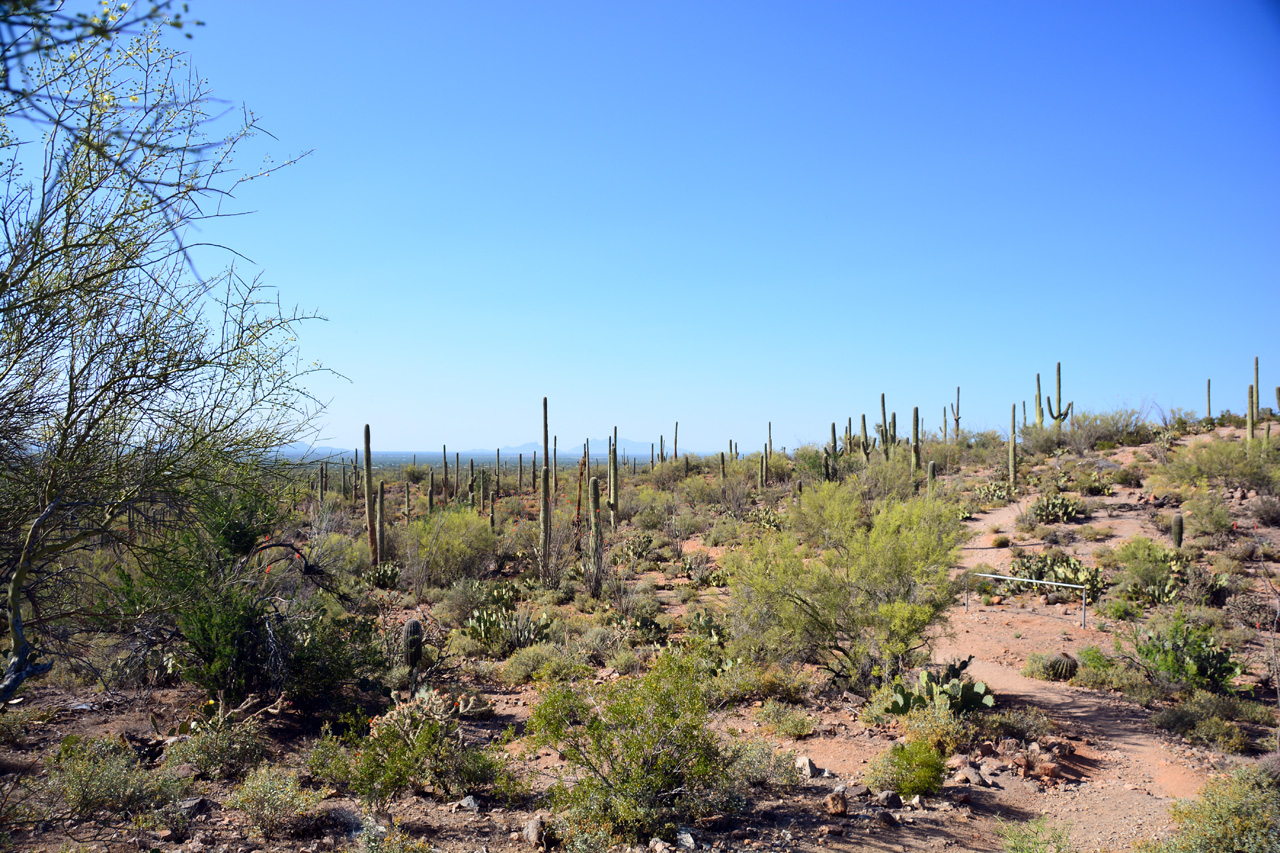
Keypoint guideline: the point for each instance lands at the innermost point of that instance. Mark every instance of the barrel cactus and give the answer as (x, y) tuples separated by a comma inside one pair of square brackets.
[(1062, 667)]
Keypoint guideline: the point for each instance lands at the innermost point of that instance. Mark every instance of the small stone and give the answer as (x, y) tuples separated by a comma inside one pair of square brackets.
[(916, 803), (957, 761), (887, 818), (658, 845), (469, 803), (858, 790), (806, 767), (836, 804), (684, 840), (1048, 770), (987, 748), (535, 831)]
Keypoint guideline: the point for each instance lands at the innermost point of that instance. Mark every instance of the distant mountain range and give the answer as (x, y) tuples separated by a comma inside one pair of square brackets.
[(599, 448)]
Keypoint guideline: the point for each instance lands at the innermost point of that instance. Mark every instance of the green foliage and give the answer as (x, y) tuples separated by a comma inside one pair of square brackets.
[(228, 636), (1035, 836), (221, 752), (949, 690), (1184, 653), (938, 726), (1208, 718), (415, 745), (1024, 724), (101, 778), (862, 608), (642, 759), (272, 800), (1153, 574), (385, 575), (452, 543), (783, 719), (1207, 515), (1223, 464), (994, 493), (537, 660), (504, 631), (1239, 812), (1059, 567), (1059, 667), (1057, 509), (910, 768)]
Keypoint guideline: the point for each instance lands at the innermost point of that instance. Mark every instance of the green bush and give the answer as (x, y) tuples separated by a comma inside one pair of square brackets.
[(1223, 464), (786, 720), (641, 757), (452, 543), (1237, 812), (1206, 515), (100, 777), (937, 726), (1056, 509), (272, 800), (220, 752), (1184, 653), (1153, 573), (862, 608), (1024, 724), (910, 768)]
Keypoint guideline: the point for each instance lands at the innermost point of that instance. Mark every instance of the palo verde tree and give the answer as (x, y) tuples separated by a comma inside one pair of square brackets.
[(127, 382)]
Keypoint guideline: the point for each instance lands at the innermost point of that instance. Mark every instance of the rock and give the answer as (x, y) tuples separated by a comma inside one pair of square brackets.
[(916, 803), (193, 806), (961, 797), (684, 840), (856, 791), (987, 748), (957, 761), (806, 767), (1047, 770), (997, 599), (535, 831), (973, 777), (835, 803), (657, 845), (887, 818), (469, 803), (185, 771), (1008, 746), (830, 829), (889, 800)]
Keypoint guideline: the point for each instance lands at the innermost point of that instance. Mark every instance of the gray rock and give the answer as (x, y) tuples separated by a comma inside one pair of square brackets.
[(887, 818), (889, 800), (806, 767), (684, 840), (469, 803)]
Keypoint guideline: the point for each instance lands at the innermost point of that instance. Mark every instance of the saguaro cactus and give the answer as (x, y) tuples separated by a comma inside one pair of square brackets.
[(764, 466), (1062, 414), (955, 413), (915, 439), (1249, 410), (544, 504), (864, 445), (1175, 530), (1039, 407), (884, 429), (613, 480), (1013, 443), (369, 508), (675, 442), (593, 569), (431, 493), (933, 476), (1208, 399), (381, 494)]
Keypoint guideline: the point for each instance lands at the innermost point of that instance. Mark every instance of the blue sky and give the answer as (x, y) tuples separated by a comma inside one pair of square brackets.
[(734, 213)]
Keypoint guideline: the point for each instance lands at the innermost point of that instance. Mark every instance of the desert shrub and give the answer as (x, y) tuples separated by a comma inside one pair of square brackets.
[(1123, 427), (744, 681), (328, 652), (1183, 653), (100, 777), (1224, 464), (1206, 515), (1041, 441), (1236, 812), (642, 758), (1266, 509), (1153, 573), (1023, 724), (462, 598), (758, 764), (1035, 836), (14, 723), (862, 608), (1121, 610), (937, 726), (220, 752), (1129, 477), (1001, 541), (272, 800), (230, 643), (910, 768), (452, 543), (415, 745), (525, 663), (786, 720), (1056, 509)]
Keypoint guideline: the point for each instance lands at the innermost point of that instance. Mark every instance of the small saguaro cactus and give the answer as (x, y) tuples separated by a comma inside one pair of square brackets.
[(915, 438), (884, 429), (1175, 530), (835, 448), (593, 566), (1249, 416), (722, 468), (412, 642), (933, 476), (382, 486), (1208, 399), (431, 492), (865, 445), (764, 466), (1039, 407)]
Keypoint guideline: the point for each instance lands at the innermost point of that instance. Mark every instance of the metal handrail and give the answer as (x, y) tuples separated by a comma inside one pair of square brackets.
[(1084, 591)]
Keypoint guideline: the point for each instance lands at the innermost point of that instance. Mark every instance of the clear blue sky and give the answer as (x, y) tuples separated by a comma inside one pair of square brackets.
[(733, 213)]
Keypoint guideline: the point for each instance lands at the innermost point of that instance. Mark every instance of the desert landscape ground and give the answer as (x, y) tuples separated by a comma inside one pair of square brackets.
[(1086, 759)]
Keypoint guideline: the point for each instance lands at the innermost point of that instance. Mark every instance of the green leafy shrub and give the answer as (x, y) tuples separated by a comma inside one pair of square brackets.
[(1236, 812), (452, 543), (272, 800), (1206, 515), (642, 758), (937, 726), (785, 720), (1024, 724), (1057, 509), (1184, 653), (100, 777), (1223, 464), (862, 608), (220, 752), (1153, 573), (910, 768)]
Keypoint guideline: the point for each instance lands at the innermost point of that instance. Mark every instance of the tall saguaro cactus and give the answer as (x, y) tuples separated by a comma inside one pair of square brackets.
[(544, 503), (613, 481), (593, 570), (955, 414), (1062, 414), (675, 442), (369, 509), (1039, 407), (884, 429), (381, 494), (864, 445), (915, 439), (1013, 443)]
